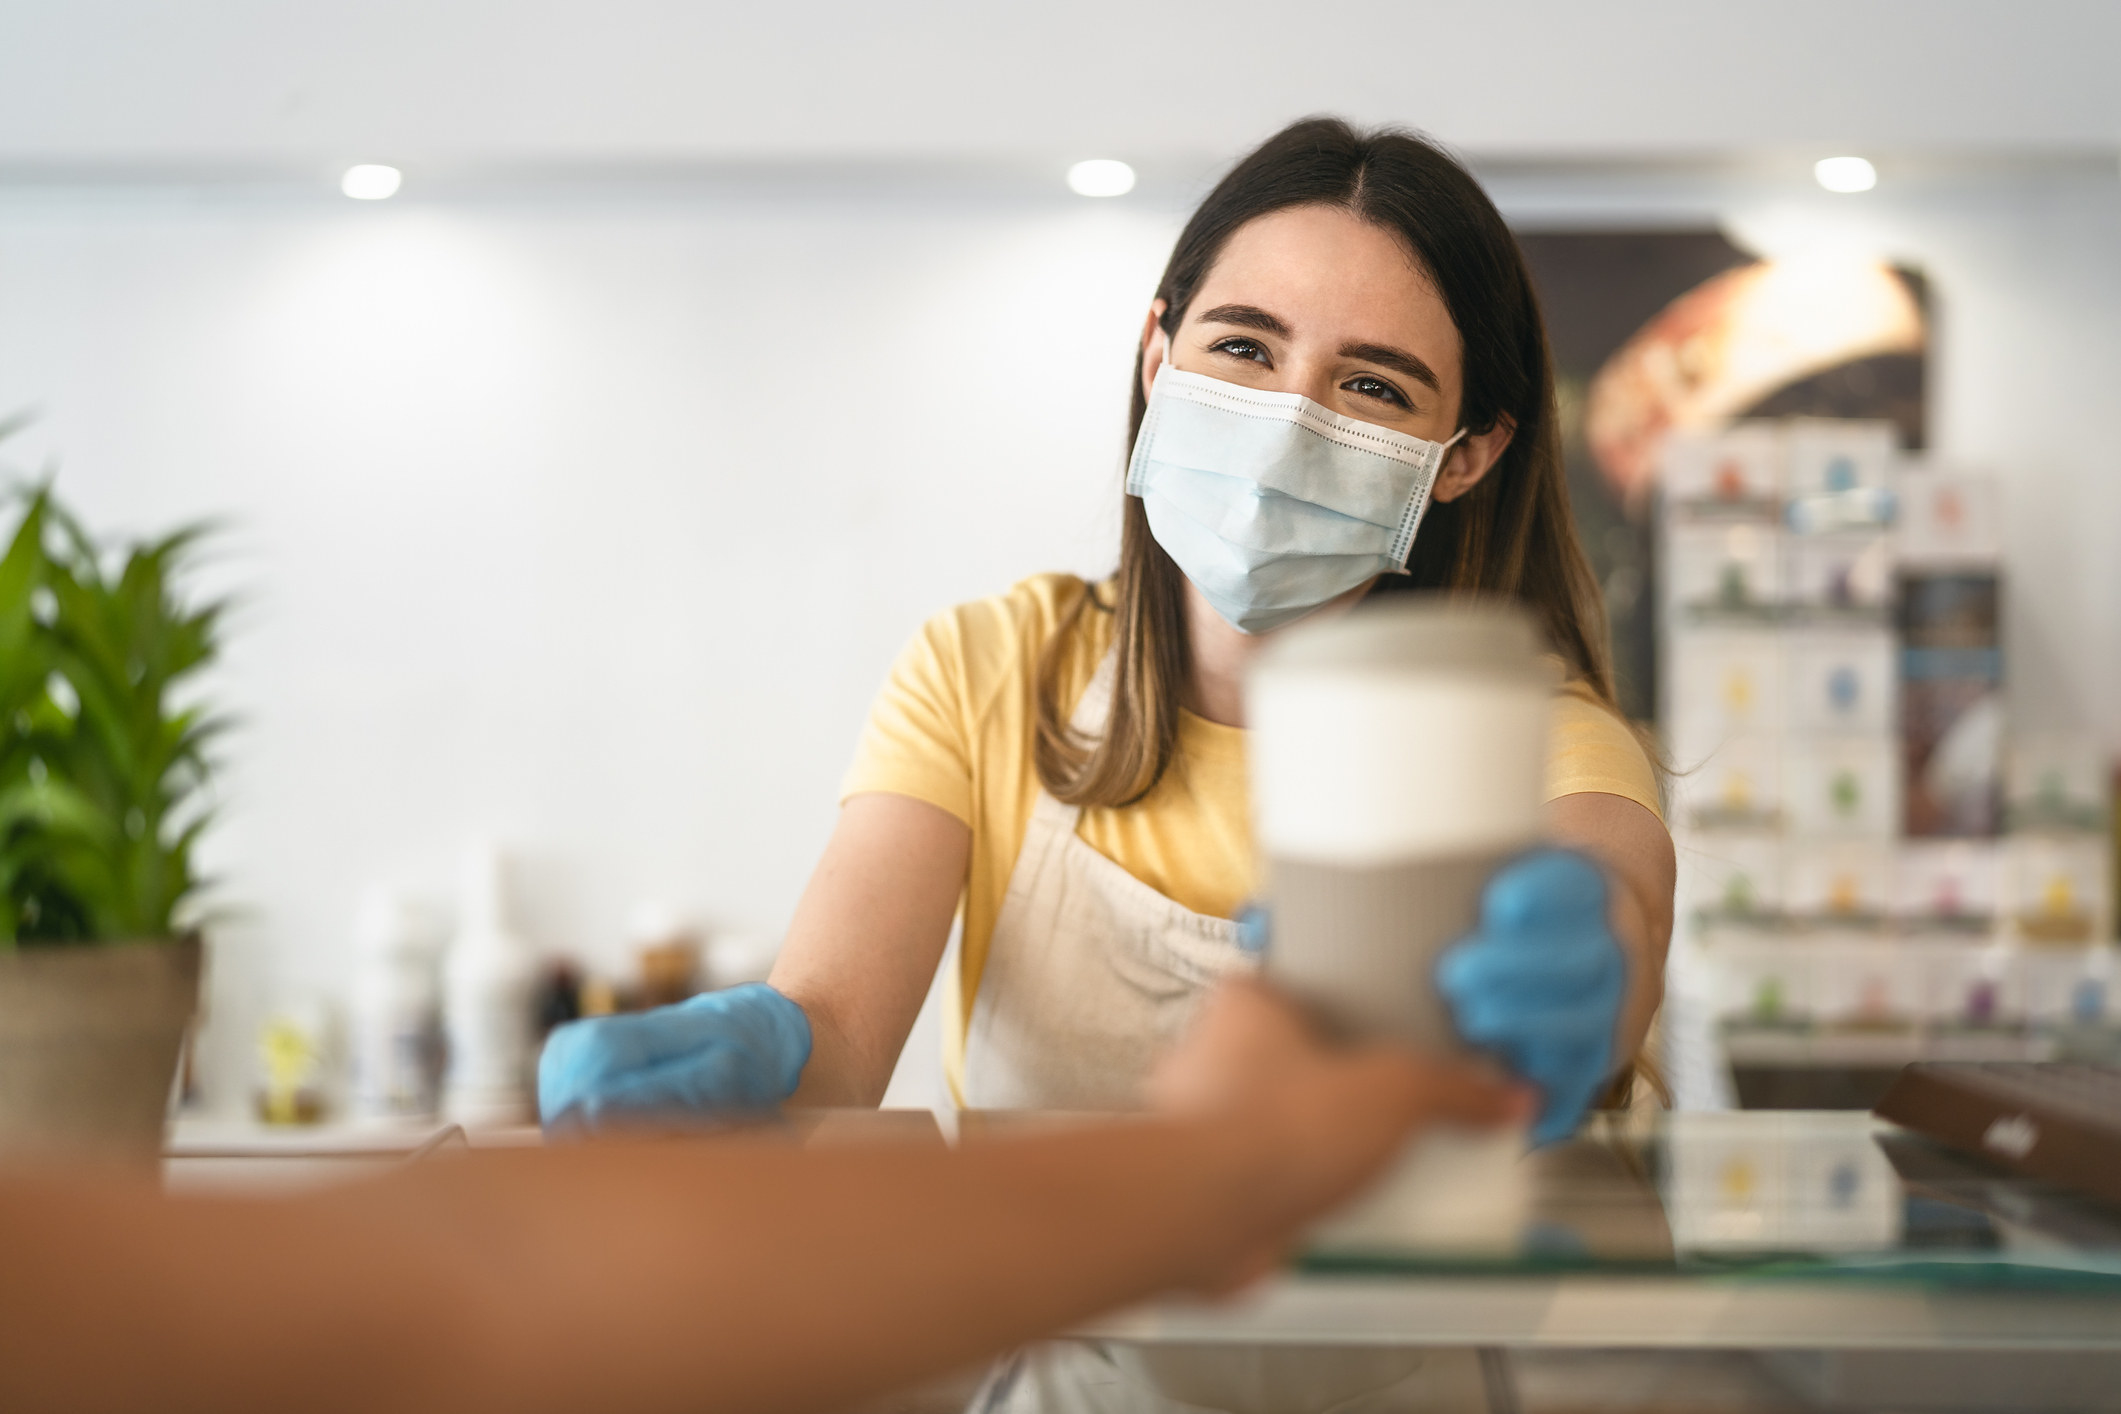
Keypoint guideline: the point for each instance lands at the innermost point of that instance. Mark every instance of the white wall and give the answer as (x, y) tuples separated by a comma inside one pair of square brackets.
[(592, 530)]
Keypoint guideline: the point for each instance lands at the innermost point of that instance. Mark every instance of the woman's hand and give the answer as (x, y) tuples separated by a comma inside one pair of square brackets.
[(1317, 1121), (1541, 981), (734, 1051)]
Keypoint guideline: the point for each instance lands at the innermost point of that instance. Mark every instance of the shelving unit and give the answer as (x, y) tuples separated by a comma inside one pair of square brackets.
[(1850, 898)]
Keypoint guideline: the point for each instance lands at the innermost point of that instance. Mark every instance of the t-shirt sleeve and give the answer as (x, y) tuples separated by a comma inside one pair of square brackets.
[(917, 739), (1592, 749)]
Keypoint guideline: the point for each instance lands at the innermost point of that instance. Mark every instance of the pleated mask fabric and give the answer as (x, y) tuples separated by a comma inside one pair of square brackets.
[(1270, 503)]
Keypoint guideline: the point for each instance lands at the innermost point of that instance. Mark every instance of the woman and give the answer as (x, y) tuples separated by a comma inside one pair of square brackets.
[(1100, 851), (1065, 761), (1352, 329)]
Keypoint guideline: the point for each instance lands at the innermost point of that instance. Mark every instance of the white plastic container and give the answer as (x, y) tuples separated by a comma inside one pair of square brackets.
[(397, 1008), (487, 985)]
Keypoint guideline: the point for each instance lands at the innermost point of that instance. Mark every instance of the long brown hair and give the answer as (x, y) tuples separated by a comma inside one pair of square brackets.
[(1511, 536)]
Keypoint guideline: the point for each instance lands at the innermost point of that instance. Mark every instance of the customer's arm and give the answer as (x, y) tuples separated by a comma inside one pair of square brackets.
[(737, 1275)]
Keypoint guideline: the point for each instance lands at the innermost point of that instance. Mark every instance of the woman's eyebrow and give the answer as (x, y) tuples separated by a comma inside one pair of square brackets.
[(1248, 316), (1393, 358)]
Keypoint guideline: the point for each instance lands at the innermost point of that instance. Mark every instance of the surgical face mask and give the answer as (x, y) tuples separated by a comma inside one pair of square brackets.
[(1271, 504)]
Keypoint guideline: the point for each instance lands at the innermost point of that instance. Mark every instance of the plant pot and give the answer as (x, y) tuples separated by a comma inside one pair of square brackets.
[(90, 1035)]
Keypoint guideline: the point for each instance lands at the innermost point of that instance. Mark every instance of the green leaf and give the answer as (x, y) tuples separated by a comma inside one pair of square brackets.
[(103, 779)]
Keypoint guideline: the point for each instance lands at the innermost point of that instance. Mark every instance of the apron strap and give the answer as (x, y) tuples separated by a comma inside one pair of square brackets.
[(1092, 716), (1093, 710)]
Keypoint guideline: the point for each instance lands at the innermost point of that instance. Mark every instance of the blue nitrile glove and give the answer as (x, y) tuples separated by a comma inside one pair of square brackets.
[(738, 1050), (1540, 982)]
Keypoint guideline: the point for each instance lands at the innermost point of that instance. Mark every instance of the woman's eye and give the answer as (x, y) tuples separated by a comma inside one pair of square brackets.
[(1375, 388), (1242, 348)]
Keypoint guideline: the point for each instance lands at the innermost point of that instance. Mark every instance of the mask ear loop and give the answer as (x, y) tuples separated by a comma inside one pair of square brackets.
[(1443, 453), (1443, 450)]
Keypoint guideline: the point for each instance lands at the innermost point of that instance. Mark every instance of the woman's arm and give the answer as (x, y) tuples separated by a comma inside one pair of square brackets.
[(1635, 850), (739, 1274), (866, 939)]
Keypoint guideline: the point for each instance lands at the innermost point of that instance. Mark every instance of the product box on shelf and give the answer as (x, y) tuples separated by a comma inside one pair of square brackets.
[(1977, 985), (1825, 456), (2067, 986), (1842, 784), (1738, 786), (1723, 570), (1841, 680), (2056, 888), (1750, 1188), (1946, 518), (1736, 470), (1724, 683), (1733, 876), (1761, 977), (1838, 883), (1948, 886), (1843, 573), (1864, 980), (2057, 782)]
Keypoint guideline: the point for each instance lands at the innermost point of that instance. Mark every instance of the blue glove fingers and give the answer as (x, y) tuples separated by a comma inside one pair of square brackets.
[(666, 1033), (1540, 982), (715, 1079), (1516, 1031), (586, 1055), (1557, 968), (1546, 889), (742, 1049), (1567, 1101)]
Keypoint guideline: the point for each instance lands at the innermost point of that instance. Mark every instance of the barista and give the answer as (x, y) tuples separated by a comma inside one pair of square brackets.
[(1350, 327)]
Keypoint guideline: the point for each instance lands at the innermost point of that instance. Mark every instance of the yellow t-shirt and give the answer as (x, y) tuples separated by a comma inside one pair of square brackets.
[(955, 723)]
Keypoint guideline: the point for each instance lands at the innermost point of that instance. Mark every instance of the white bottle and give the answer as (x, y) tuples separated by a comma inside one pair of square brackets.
[(397, 1008), (487, 985)]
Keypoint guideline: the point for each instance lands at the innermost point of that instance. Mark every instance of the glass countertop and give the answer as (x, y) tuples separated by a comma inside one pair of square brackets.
[(1806, 1194)]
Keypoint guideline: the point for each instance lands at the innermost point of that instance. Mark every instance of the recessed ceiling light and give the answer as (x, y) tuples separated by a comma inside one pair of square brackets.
[(1845, 174), (370, 181), (1101, 176)]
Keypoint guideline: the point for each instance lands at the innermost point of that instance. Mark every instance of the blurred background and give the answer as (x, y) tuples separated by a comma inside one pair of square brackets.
[(578, 477)]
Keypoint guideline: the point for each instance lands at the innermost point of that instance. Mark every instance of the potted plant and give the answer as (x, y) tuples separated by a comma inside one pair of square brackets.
[(103, 770)]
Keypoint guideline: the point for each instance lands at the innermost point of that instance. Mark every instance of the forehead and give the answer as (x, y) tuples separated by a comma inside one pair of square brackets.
[(1330, 275)]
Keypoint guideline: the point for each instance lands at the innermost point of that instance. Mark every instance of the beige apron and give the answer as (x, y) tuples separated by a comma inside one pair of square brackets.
[(1089, 975)]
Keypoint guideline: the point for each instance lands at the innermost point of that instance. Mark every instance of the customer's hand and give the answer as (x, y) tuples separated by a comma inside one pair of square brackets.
[(1541, 980), (1318, 1120), (740, 1050)]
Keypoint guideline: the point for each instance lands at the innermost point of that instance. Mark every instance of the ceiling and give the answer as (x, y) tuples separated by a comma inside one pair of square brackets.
[(466, 84)]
